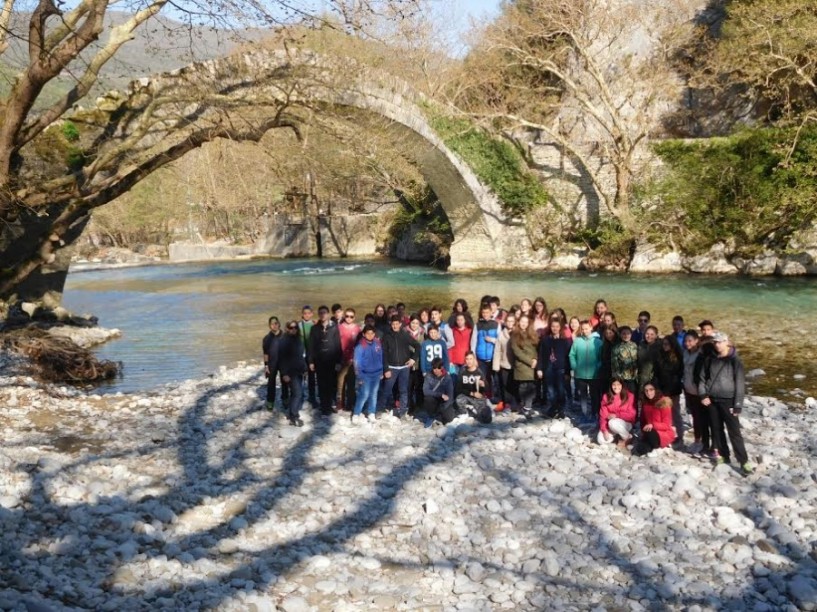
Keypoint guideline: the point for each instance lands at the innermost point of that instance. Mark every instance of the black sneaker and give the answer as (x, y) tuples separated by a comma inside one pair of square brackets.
[(296, 422)]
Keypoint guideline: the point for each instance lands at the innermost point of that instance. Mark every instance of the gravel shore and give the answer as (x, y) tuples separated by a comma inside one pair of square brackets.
[(194, 497)]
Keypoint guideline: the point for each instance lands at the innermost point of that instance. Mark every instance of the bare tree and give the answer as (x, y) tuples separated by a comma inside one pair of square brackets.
[(44, 201), (585, 73)]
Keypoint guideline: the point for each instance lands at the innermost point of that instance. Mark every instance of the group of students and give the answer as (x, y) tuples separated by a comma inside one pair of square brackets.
[(526, 359)]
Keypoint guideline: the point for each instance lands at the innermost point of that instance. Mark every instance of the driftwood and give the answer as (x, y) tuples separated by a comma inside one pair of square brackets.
[(58, 359)]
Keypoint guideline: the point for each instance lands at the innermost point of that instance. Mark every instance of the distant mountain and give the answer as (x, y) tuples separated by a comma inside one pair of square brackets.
[(159, 45)]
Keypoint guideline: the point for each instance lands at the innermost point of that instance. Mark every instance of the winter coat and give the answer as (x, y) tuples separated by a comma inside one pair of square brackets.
[(503, 359), (668, 374), (660, 419), (483, 349), (349, 334), (270, 345), (554, 352), (690, 384), (291, 361), (398, 348), (625, 361), (368, 358), (647, 356), (585, 356), (723, 378), (437, 386), (523, 357), (616, 408), (462, 344), (324, 344)]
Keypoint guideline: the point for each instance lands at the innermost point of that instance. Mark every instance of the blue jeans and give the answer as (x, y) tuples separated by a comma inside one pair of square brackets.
[(400, 377), (555, 378), (296, 396), (367, 388)]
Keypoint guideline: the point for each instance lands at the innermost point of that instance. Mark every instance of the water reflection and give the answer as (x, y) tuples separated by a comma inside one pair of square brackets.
[(183, 321)]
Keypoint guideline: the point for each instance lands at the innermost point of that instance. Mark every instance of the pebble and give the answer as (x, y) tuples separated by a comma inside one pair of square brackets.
[(236, 510)]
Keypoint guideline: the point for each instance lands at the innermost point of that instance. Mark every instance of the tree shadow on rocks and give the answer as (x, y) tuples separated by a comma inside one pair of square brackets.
[(200, 512)]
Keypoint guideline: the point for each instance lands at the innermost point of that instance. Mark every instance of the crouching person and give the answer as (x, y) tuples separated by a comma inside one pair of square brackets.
[(657, 430), (471, 391), (438, 394), (617, 415)]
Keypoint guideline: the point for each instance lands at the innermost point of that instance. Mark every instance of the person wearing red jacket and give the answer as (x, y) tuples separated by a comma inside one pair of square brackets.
[(462, 341), (349, 332), (617, 415), (657, 430)]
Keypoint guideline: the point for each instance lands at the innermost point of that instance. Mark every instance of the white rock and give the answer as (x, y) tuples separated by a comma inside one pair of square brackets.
[(431, 507)]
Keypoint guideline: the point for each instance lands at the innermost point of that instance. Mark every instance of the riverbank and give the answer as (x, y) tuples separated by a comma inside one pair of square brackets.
[(192, 496)]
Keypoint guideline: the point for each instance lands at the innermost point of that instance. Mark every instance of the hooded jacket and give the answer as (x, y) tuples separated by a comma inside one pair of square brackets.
[(616, 408), (368, 358), (398, 348), (483, 349), (585, 356), (723, 378)]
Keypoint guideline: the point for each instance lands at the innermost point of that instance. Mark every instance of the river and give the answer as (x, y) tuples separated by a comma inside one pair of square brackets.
[(182, 321)]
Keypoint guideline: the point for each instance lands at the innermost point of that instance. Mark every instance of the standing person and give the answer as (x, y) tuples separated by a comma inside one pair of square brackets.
[(524, 345), (599, 308), (553, 365), (609, 341), (293, 367), (617, 414), (503, 366), (349, 332), (497, 313), (305, 329), (368, 363), (381, 323), (445, 328), (416, 330), (483, 344), (432, 348), (461, 333), (438, 394), (460, 307), (324, 358), (398, 351), (656, 421), (470, 393), (337, 314), (669, 373), (722, 389), (678, 330), (269, 346), (425, 318), (648, 352), (641, 328), (540, 316), (525, 308), (585, 359), (625, 360), (700, 416)]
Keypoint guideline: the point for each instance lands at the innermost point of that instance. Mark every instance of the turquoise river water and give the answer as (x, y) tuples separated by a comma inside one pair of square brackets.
[(182, 321)]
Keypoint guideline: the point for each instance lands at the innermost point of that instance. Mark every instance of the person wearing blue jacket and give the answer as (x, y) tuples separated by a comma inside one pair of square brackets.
[(483, 343), (368, 363), (585, 360), (553, 365)]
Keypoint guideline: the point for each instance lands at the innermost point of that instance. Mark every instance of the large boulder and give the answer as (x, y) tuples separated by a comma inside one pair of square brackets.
[(649, 258), (715, 261)]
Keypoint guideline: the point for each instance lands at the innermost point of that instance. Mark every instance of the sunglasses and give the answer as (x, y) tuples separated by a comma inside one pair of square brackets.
[(348, 316)]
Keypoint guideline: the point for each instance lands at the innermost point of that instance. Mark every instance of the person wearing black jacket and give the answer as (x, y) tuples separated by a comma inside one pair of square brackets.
[(399, 355), (553, 366), (438, 394), (269, 345), (293, 367), (324, 358), (722, 388)]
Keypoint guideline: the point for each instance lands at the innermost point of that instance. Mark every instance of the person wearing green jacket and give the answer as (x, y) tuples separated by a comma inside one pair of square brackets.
[(524, 347), (585, 360)]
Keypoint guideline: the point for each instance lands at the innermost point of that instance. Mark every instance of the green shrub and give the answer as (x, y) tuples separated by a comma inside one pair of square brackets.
[(70, 131), (754, 188), (495, 162)]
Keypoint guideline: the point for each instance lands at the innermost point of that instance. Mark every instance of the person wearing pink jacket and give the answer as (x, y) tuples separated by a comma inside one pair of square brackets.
[(617, 415), (657, 430)]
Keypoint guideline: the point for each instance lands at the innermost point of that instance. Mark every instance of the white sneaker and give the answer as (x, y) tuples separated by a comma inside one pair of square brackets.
[(371, 418), (357, 419)]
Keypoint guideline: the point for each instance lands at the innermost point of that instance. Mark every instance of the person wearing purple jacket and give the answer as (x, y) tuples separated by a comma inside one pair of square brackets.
[(368, 364)]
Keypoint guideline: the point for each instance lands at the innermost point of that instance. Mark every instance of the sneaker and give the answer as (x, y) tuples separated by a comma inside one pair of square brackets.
[(370, 417), (296, 422), (428, 422), (500, 406), (746, 469), (357, 419)]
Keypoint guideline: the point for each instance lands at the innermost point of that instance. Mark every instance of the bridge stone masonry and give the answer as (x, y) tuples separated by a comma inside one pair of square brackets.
[(252, 86)]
